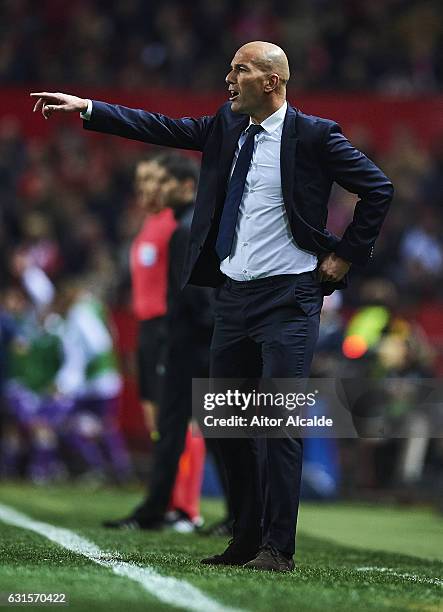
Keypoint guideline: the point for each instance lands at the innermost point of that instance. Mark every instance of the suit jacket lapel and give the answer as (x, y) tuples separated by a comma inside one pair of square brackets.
[(287, 159), (230, 140)]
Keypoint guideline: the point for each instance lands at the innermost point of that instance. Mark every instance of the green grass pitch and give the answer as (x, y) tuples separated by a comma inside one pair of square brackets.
[(402, 547)]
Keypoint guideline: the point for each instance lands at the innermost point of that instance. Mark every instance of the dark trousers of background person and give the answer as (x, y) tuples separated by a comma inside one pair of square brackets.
[(265, 328), (185, 359), (150, 357)]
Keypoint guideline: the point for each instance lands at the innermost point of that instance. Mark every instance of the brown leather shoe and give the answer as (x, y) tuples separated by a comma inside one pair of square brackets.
[(272, 560), (233, 555)]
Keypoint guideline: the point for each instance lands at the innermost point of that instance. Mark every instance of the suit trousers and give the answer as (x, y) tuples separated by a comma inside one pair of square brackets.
[(265, 328)]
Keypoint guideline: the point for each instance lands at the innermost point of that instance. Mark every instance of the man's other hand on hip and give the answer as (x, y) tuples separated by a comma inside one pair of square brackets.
[(332, 268)]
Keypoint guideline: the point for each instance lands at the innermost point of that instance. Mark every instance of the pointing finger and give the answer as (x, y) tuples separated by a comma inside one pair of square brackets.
[(49, 97)]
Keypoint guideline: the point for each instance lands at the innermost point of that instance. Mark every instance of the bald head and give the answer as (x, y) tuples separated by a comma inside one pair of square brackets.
[(270, 58), (257, 80)]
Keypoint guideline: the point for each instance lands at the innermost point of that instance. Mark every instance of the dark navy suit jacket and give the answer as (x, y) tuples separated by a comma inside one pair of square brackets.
[(314, 154)]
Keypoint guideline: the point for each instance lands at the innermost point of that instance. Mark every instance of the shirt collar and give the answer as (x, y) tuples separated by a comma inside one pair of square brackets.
[(274, 121)]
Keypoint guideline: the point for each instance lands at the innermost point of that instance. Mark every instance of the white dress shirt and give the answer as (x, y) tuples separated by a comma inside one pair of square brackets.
[(263, 242)]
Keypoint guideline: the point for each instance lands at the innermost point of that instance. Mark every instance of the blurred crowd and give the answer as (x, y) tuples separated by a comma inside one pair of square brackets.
[(390, 46)]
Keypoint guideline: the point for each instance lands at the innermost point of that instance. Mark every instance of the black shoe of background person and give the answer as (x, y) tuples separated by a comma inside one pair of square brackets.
[(133, 522), (271, 560), (233, 555)]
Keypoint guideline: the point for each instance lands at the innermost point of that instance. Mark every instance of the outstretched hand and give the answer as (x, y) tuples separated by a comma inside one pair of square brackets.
[(49, 103), (332, 268)]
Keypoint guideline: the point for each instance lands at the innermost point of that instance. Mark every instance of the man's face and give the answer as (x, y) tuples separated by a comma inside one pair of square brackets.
[(148, 178), (171, 190), (246, 84)]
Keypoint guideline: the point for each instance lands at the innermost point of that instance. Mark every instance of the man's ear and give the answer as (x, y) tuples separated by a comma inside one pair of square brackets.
[(272, 83)]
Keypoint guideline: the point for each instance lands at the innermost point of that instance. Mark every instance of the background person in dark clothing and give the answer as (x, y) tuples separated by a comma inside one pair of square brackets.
[(189, 328), (149, 260)]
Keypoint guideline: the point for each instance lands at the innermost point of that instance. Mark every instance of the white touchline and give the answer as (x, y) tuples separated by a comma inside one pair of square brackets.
[(406, 576), (169, 590)]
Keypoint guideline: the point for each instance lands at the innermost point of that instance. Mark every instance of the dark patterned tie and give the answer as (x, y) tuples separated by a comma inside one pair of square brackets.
[(234, 195)]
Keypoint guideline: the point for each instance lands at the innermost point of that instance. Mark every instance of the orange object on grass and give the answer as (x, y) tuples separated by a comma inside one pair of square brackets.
[(187, 487)]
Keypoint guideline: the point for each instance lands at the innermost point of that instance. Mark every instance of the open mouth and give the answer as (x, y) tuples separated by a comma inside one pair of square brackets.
[(233, 95)]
